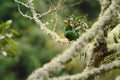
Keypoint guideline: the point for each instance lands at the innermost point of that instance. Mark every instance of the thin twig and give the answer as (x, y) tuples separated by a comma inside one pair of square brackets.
[(20, 2), (25, 15)]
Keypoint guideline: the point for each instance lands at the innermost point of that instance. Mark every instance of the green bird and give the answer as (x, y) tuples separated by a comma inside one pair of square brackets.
[(71, 35)]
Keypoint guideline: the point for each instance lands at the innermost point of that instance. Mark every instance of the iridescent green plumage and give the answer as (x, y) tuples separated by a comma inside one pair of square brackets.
[(70, 32), (74, 27), (71, 35)]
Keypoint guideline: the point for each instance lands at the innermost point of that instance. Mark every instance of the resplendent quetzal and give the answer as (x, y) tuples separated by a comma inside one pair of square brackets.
[(74, 27), (71, 35), (70, 32)]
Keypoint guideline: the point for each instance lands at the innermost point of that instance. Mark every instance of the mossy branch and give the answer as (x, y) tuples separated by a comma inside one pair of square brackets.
[(57, 64), (35, 16), (114, 34), (87, 74), (104, 5), (109, 13)]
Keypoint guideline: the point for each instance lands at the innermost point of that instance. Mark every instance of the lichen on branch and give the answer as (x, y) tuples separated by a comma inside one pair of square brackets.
[(110, 15)]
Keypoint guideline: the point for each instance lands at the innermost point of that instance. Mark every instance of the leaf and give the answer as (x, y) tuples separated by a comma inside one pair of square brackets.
[(2, 37), (14, 31), (4, 53), (9, 35), (3, 26), (11, 41), (8, 22)]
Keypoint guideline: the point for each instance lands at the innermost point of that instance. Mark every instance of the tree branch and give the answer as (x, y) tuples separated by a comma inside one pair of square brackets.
[(114, 33), (104, 5), (57, 64), (43, 27), (93, 72)]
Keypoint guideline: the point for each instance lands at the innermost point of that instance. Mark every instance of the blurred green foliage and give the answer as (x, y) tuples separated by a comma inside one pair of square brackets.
[(7, 44), (35, 48)]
